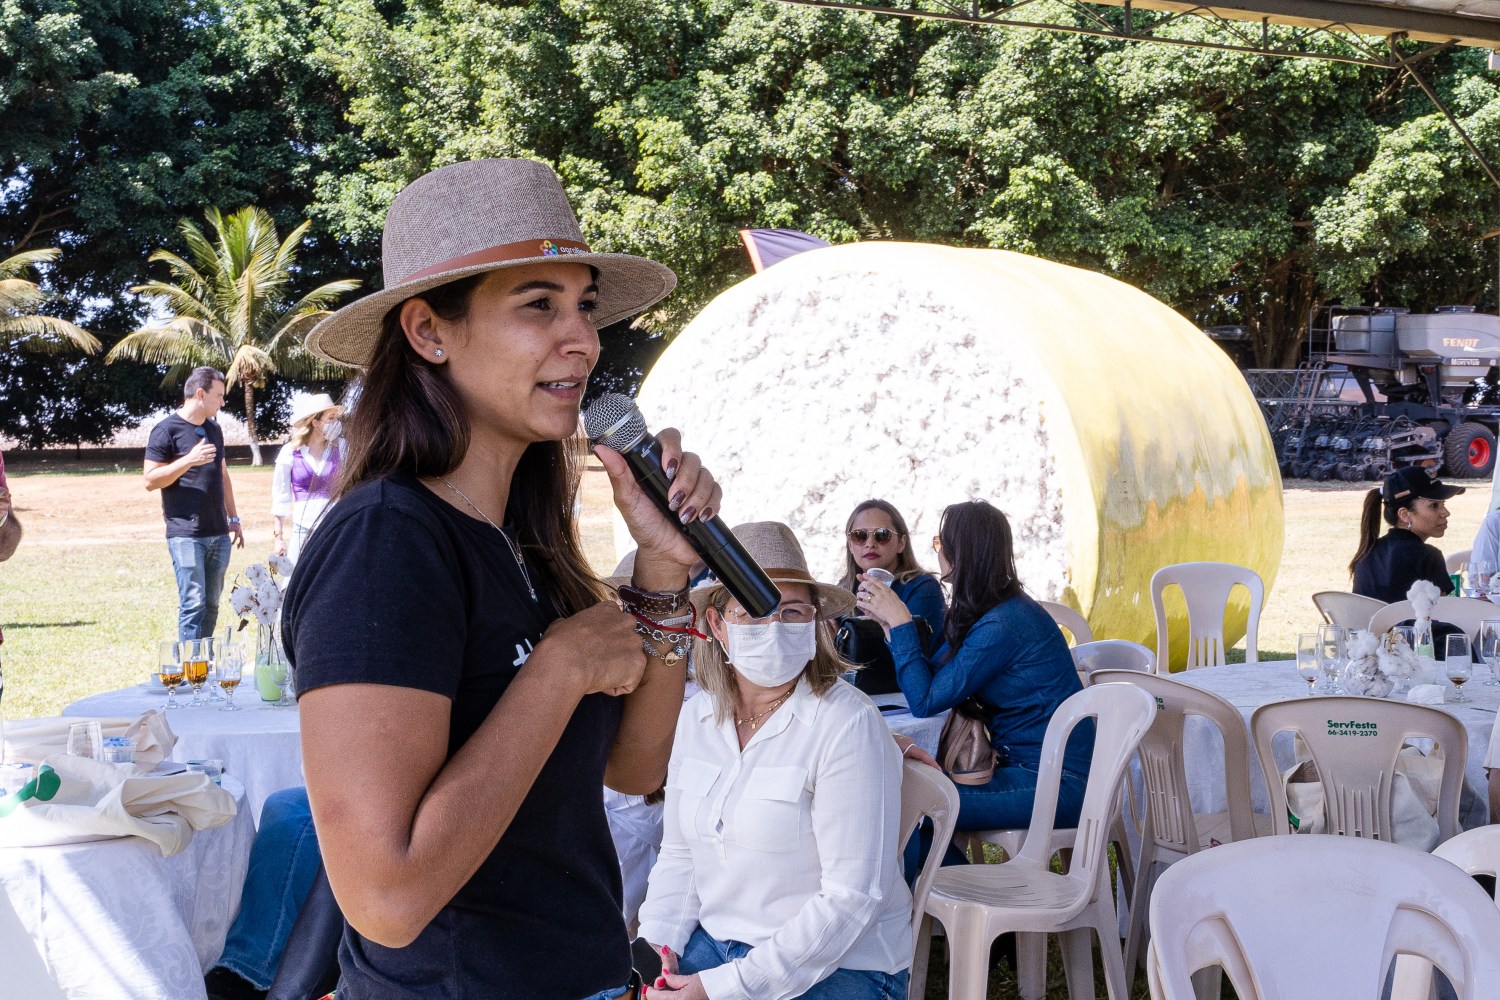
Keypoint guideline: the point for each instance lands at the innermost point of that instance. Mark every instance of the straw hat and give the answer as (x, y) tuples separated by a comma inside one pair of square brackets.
[(473, 217), (775, 548), (310, 406)]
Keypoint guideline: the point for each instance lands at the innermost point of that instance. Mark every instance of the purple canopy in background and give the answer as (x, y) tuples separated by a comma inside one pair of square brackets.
[(771, 246)]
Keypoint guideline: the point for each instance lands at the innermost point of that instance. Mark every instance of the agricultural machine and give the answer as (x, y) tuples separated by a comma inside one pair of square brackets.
[(1386, 388)]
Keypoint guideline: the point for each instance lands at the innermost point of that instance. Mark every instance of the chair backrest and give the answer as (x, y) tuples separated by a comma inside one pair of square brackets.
[(25, 973), (1476, 851), (1340, 607), (1467, 613), (1318, 917), (1121, 715), (1354, 743), (1205, 587), (1169, 810), (1069, 619), (1456, 561), (1112, 655), (926, 793)]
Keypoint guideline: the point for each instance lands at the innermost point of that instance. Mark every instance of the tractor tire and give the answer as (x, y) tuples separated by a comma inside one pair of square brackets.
[(1469, 452)]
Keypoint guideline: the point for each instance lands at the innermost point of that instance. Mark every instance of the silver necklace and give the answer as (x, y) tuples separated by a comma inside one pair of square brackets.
[(520, 563)]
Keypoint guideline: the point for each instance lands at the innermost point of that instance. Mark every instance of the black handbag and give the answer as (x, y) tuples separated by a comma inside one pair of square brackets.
[(861, 641)]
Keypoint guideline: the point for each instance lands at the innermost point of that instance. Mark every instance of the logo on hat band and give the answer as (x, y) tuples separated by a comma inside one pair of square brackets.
[(520, 250)]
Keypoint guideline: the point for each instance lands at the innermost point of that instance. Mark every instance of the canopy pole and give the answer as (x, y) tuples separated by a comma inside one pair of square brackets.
[(1411, 71)]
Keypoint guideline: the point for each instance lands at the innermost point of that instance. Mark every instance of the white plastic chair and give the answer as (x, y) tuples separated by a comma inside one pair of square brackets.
[(1111, 654), (1475, 852), (1206, 587), (926, 793), (25, 973), (1339, 607), (1318, 917), (1067, 618), (1358, 764), (1456, 561), (1171, 830), (978, 903), (1465, 612)]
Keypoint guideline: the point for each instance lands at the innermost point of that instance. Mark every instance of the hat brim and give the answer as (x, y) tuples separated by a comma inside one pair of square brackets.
[(833, 601), (1441, 491), (627, 286)]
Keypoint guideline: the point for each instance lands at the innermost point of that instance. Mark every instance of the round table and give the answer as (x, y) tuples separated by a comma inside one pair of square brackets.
[(260, 745), (1247, 686), (113, 918), (923, 732)]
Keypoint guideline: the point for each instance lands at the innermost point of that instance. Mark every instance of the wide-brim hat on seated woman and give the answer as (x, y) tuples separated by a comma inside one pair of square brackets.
[(773, 546), (474, 217)]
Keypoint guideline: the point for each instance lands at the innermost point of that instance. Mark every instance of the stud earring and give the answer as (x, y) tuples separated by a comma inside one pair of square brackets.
[(438, 353)]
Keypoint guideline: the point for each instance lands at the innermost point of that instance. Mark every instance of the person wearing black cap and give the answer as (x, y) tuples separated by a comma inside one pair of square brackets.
[(1386, 566)]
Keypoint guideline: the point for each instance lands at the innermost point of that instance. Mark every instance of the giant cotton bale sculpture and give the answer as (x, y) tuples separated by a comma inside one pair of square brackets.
[(1114, 434)]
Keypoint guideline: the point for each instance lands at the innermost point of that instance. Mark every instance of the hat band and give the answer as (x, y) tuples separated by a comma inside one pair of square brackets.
[(520, 250)]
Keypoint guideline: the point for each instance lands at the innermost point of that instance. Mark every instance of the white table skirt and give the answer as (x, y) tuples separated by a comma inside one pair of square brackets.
[(260, 745), (114, 920), (1247, 686), (924, 732)]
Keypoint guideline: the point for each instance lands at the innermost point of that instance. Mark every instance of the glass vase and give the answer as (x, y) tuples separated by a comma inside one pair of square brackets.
[(273, 675)]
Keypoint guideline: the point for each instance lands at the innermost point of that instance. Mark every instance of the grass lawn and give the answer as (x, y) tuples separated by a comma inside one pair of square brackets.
[(90, 591)]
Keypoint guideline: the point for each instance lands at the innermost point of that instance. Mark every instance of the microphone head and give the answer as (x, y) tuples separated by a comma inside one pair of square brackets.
[(614, 421)]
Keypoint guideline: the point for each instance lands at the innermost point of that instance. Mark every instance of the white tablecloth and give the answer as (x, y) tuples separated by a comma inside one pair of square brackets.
[(924, 732), (1248, 686), (114, 920), (259, 745)]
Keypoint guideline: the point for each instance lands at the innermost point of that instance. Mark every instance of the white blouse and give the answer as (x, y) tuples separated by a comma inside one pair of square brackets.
[(789, 846)]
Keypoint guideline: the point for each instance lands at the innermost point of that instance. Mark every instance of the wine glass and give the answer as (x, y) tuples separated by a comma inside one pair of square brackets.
[(1333, 646), (1457, 664), (194, 656), (1478, 582), (229, 667), (212, 645), (1489, 648), (1307, 659), (169, 669)]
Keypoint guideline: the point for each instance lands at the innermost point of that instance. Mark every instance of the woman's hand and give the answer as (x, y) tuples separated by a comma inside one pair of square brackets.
[(694, 496), (278, 546), (881, 603), (678, 988), (909, 748), (601, 647)]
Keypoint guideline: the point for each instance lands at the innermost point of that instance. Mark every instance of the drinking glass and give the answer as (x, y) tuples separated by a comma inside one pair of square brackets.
[(1457, 664), (85, 739), (194, 654), (1307, 659), (229, 667), (1478, 582), (1489, 648), (213, 658), (1333, 646), (169, 669)]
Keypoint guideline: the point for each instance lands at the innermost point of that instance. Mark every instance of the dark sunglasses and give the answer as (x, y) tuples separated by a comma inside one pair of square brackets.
[(881, 535)]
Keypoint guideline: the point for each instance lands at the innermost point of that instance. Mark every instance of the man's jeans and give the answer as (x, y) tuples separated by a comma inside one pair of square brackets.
[(200, 565)]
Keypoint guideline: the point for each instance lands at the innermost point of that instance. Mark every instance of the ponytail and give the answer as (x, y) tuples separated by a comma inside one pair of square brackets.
[(1369, 528)]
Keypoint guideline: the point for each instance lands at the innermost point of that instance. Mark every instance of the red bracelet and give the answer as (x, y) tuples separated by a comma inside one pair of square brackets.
[(689, 628)]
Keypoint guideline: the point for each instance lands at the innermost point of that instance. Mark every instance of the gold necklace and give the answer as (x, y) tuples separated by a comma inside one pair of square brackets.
[(520, 563), (754, 720)]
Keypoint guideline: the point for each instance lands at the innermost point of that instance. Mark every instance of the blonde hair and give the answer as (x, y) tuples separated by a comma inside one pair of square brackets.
[(302, 429), (711, 667)]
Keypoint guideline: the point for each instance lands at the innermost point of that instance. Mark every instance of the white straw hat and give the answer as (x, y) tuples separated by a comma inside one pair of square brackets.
[(473, 217), (310, 406)]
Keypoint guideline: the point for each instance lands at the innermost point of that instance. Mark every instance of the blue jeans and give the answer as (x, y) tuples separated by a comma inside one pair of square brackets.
[(610, 994), (283, 863), (199, 565), (704, 952)]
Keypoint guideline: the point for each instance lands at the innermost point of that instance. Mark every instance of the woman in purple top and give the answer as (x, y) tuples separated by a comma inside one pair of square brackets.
[(306, 469)]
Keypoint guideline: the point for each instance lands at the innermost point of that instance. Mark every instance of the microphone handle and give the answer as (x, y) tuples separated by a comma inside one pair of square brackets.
[(711, 539)]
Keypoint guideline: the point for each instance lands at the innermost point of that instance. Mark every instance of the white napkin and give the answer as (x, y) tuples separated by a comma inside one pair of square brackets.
[(99, 801), (1426, 694), (35, 740)]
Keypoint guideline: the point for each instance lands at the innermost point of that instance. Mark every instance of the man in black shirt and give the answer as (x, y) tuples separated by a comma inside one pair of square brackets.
[(185, 460), (10, 526)]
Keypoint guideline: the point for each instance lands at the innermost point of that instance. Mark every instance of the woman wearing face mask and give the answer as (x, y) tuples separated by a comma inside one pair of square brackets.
[(1412, 503), (778, 874), (306, 469), (876, 538)]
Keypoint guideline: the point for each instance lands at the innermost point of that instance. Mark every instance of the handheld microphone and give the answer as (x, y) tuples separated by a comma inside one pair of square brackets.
[(614, 421)]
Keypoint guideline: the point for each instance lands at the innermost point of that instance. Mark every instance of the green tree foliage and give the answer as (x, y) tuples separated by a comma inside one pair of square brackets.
[(230, 305)]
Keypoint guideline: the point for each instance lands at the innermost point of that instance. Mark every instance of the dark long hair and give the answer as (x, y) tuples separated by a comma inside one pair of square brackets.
[(408, 418), (906, 563), (1369, 522), (976, 541)]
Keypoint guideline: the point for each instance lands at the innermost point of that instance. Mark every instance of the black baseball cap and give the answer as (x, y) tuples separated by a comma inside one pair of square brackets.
[(1413, 482)]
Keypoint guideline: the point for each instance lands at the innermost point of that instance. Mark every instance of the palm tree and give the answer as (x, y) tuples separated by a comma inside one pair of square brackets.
[(230, 306), (20, 325)]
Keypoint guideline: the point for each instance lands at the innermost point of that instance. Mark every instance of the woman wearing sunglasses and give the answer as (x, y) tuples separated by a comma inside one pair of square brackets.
[(876, 538), (1001, 655)]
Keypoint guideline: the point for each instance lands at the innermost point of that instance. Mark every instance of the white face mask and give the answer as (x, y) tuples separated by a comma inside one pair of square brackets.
[(771, 653), (333, 429)]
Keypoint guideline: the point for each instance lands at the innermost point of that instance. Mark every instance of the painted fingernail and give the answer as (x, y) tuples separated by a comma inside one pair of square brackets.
[(687, 515), (665, 951), (672, 468), (677, 499), (707, 515), (660, 984)]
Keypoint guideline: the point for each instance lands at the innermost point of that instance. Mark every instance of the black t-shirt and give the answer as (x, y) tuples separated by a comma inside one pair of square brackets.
[(194, 505), (1397, 560), (397, 587)]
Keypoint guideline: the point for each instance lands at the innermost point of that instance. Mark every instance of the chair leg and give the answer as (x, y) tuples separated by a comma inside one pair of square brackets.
[(1078, 963), (1031, 965), (1139, 933), (921, 954), (968, 962), (1116, 976), (1124, 863)]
